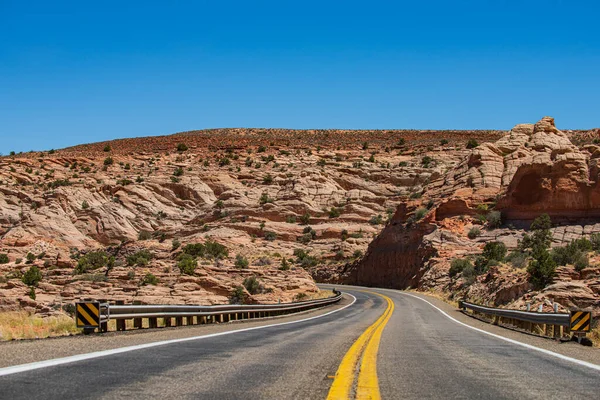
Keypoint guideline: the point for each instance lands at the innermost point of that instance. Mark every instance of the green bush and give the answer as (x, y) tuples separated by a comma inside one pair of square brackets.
[(215, 250), (187, 264), (241, 261), (595, 241), (270, 236), (149, 279), (264, 198), (268, 179), (494, 251), (107, 148), (261, 149), (253, 285), (284, 265), (305, 219), (334, 212), (541, 269), (91, 261), (357, 254), (376, 220), (458, 265), (290, 219), (238, 296), (175, 244), (140, 258), (30, 257), (472, 143), (182, 147), (85, 205), (444, 142), (420, 213), (194, 249), (473, 233), (108, 161), (178, 171), (4, 259), (494, 219), (426, 161), (575, 253), (32, 277), (144, 235)]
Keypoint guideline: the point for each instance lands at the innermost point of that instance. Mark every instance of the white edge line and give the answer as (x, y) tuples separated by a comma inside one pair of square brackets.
[(82, 357), (527, 346)]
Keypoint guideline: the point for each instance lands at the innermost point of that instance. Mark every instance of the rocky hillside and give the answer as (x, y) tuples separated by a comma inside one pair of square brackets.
[(142, 219), (469, 234)]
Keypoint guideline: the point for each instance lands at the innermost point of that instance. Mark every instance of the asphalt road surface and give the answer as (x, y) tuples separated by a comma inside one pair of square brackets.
[(422, 354)]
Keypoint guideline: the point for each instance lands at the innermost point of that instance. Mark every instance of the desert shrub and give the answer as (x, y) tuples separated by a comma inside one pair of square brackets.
[(264, 198), (107, 148), (474, 232), (458, 265), (444, 142), (108, 161), (241, 261), (376, 220), (140, 258), (321, 162), (574, 253), (175, 244), (194, 249), (178, 171), (59, 183), (517, 259), (290, 219), (426, 161), (595, 241), (268, 179), (238, 296), (494, 219), (305, 238), (469, 274), (472, 143), (187, 264), (149, 279), (224, 162), (261, 149), (420, 213), (253, 285), (85, 205), (357, 254), (334, 212), (91, 261), (270, 236), (344, 235), (215, 250), (304, 259), (305, 219), (182, 147), (144, 235), (494, 251), (30, 257), (32, 276), (365, 146), (542, 266), (4, 258)]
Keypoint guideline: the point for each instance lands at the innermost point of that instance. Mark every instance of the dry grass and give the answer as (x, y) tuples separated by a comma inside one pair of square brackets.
[(595, 337), (23, 325), (321, 294)]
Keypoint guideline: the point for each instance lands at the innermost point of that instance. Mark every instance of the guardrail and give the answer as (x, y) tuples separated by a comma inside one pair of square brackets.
[(96, 315), (555, 325)]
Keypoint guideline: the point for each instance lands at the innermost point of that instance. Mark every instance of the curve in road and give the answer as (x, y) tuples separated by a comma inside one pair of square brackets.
[(422, 354)]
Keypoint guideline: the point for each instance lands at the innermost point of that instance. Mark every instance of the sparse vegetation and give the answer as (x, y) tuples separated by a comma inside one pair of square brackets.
[(144, 235), (474, 233), (140, 258), (181, 147), (458, 265), (108, 161), (32, 276), (92, 261), (149, 279), (187, 264), (4, 259), (241, 261), (472, 143), (253, 285)]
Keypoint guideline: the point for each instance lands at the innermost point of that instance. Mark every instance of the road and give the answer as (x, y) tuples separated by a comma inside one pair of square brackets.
[(421, 354)]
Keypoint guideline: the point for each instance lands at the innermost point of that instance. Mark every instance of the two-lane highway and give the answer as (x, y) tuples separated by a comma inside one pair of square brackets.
[(422, 353)]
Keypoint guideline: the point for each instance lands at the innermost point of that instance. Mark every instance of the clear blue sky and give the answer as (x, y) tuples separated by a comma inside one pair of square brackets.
[(79, 72)]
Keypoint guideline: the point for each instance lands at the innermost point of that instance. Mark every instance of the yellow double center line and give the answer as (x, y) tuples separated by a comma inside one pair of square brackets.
[(366, 346)]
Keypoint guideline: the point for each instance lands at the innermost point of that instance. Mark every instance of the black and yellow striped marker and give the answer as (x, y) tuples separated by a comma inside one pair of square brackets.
[(581, 321), (88, 315)]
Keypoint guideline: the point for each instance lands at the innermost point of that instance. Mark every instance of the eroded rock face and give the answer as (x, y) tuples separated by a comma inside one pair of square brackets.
[(533, 169), (247, 189)]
